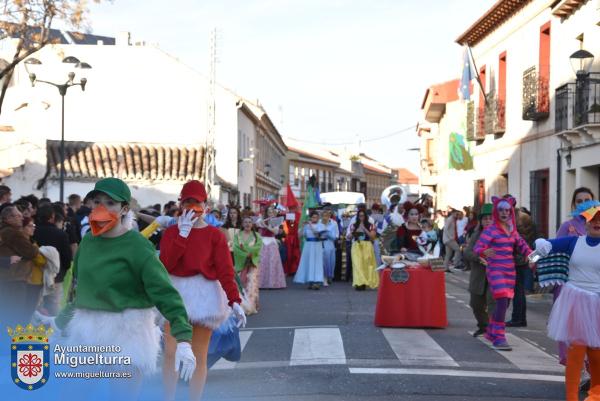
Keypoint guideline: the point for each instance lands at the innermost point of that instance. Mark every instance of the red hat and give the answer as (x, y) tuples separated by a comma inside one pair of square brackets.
[(193, 190)]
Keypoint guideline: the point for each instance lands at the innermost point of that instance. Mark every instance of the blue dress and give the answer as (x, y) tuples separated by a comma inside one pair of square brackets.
[(310, 269), (329, 238)]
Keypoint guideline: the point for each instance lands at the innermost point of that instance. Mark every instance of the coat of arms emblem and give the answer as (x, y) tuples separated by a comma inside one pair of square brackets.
[(30, 356)]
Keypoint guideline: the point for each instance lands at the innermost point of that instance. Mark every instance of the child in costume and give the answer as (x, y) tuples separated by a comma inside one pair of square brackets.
[(496, 245), (329, 239), (197, 258), (575, 316), (428, 237), (246, 254), (311, 262), (118, 280)]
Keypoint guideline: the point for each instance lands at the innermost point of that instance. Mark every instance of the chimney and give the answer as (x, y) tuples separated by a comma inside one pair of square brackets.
[(123, 39)]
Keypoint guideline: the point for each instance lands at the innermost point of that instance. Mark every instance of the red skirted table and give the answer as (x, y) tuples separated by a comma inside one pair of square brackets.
[(418, 302)]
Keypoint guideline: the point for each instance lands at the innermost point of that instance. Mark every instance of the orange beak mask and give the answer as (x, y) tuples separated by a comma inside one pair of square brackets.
[(199, 210), (102, 220)]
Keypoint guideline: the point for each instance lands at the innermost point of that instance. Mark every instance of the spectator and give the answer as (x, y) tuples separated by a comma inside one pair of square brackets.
[(524, 281), (24, 207), (5, 194), (47, 233), (33, 200), (450, 240), (17, 253), (74, 204), (461, 224), (82, 216), (44, 201), (170, 208)]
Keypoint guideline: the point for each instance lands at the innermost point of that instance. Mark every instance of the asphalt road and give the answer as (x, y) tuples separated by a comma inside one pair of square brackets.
[(322, 345)]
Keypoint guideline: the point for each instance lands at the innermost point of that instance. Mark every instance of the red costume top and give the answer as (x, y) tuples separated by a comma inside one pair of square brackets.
[(292, 243), (205, 252)]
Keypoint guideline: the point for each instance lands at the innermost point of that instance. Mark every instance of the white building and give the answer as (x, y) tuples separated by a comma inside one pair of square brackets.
[(520, 132), (142, 117)]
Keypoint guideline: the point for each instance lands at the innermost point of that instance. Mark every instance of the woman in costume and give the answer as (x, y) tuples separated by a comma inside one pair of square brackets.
[(410, 230), (233, 225), (197, 258), (496, 246), (270, 271), (119, 280), (310, 269), (574, 227), (246, 253), (575, 316), (329, 239), (363, 255)]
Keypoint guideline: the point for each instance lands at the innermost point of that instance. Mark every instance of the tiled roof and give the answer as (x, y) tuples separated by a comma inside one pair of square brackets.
[(405, 176), (500, 12), (566, 8), (131, 161)]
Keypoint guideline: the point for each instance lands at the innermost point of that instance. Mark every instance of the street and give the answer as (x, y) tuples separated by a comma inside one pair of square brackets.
[(322, 345)]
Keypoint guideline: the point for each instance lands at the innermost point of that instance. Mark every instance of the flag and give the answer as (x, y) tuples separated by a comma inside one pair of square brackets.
[(464, 90), (290, 198)]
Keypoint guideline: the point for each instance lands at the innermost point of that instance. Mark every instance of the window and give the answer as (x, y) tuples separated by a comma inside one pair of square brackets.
[(544, 67), (543, 92), (539, 198)]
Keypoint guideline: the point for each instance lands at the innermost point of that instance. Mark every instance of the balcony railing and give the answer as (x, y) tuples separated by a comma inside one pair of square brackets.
[(480, 132), (536, 98), (495, 111), (471, 121), (578, 103)]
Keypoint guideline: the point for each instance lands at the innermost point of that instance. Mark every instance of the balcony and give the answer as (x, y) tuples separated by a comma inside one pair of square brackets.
[(495, 122), (536, 98), (577, 111), (470, 121)]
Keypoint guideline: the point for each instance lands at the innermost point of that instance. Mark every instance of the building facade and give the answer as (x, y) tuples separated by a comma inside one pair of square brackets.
[(126, 107), (529, 124)]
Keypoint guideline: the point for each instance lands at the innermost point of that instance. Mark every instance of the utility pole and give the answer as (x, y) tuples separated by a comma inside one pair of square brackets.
[(210, 175)]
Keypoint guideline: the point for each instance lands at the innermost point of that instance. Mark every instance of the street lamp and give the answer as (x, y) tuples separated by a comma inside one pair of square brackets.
[(581, 61), (62, 89)]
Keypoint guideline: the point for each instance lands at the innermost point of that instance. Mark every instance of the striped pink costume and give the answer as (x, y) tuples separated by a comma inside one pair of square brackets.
[(500, 270)]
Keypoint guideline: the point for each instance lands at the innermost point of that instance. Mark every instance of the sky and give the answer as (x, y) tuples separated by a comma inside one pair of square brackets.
[(326, 71)]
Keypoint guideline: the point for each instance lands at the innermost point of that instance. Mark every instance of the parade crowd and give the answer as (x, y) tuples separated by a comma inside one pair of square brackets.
[(210, 262)]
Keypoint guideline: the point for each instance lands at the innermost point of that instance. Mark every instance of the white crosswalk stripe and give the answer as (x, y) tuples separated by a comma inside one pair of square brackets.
[(319, 346), (416, 347), (527, 356), (413, 348)]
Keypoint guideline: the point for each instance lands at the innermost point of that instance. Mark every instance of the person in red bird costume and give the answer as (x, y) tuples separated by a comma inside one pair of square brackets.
[(292, 240)]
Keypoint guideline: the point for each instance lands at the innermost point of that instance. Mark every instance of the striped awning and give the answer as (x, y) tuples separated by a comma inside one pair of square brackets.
[(128, 161)]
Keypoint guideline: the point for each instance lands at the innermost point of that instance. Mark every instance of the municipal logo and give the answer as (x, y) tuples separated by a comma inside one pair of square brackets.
[(30, 356)]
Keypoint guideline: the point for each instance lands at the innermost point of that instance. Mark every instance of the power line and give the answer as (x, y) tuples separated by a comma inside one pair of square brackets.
[(389, 135)]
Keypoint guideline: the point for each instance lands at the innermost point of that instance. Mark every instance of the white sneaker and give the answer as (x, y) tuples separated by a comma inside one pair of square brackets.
[(325, 283)]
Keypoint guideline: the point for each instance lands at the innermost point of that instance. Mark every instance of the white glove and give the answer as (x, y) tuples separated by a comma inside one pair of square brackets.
[(186, 222), (239, 315), (185, 358), (543, 247), (164, 221)]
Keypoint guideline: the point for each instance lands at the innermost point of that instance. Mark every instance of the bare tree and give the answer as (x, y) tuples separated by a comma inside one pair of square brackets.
[(29, 22)]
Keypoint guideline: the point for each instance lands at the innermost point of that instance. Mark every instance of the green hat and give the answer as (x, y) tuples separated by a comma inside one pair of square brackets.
[(486, 210), (113, 187)]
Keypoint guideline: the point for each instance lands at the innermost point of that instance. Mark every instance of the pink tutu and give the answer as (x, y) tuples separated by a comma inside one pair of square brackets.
[(575, 317)]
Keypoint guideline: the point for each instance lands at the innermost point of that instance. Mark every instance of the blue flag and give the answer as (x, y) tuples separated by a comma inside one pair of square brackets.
[(467, 76)]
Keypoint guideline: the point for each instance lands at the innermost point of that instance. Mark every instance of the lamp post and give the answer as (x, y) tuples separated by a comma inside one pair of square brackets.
[(62, 89)]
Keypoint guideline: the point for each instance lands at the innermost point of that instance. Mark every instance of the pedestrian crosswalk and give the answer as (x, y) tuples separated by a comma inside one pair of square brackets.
[(397, 350)]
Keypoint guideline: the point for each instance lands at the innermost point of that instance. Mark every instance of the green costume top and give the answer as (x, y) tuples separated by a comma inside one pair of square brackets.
[(241, 249), (114, 274)]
